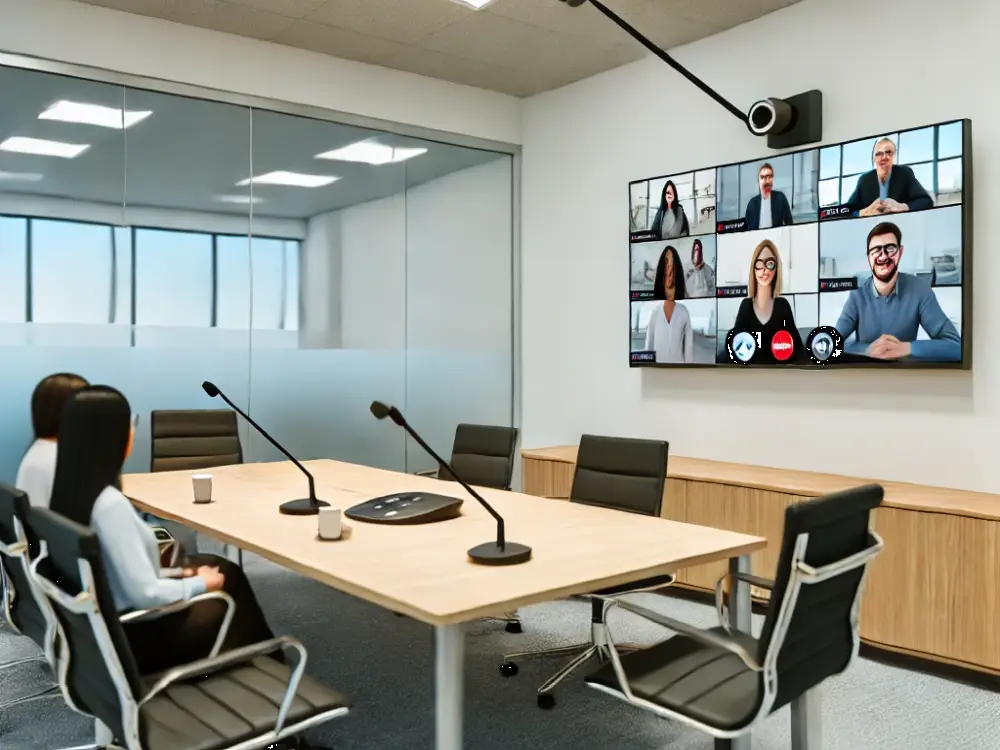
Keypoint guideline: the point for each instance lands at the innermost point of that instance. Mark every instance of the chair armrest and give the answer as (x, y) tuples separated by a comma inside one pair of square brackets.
[(705, 637), (139, 615), (721, 607), (203, 667), (428, 473), (169, 548)]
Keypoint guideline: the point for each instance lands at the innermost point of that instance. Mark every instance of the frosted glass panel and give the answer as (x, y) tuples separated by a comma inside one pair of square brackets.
[(458, 304)]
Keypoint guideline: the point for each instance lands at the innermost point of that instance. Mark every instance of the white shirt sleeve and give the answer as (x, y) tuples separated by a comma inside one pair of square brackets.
[(650, 333), (688, 339)]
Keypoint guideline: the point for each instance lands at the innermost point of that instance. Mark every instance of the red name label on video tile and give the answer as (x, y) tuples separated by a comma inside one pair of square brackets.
[(781, 346)]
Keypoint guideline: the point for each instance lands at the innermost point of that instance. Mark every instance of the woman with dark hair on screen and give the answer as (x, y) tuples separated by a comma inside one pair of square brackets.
[(670, 221), (764, 311), (38, 466), (96, 437), (669, 332)]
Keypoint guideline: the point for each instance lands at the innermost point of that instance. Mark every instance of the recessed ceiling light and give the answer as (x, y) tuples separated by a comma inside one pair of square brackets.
[(294, 179), (372, 152), (477, 4), (241, 199), (40, 147), (20, 177), (93, 114)]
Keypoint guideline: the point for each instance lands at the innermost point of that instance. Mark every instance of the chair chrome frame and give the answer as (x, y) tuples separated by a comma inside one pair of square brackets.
[(85, 603), (801, 574)]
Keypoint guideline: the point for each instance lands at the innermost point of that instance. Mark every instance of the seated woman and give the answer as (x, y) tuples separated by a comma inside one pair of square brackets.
[(38, 466), (95, 438)]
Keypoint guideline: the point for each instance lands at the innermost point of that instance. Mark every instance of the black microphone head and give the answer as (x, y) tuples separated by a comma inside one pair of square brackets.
[(210, 388), (379, 410), (396, 416), (574, 3)]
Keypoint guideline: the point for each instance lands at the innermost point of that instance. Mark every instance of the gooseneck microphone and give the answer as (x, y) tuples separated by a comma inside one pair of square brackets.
[(305, 507), (498, 552)]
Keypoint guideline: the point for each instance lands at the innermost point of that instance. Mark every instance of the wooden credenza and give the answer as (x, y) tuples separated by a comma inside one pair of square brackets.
[(933, 593)]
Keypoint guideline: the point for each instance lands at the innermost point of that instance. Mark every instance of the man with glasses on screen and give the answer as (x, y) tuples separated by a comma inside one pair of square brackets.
[(886, 311), (770, 207), (888, 189)]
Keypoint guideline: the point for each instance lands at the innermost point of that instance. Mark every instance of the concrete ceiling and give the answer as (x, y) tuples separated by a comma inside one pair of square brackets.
[(518, 47), (189, 154)]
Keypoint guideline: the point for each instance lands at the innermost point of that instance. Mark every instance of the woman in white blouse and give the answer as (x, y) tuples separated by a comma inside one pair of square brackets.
[(38, 466), (669, 332)]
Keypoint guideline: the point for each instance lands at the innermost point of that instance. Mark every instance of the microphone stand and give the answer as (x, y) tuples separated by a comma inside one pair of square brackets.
[(305, 507)]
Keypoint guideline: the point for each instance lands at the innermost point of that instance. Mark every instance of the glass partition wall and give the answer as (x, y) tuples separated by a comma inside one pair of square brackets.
[(152, 241)]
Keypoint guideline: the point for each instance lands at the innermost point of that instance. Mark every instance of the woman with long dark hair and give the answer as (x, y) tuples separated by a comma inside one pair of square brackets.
[(670, 221), (38, 466), (669, 331), (95, 438)]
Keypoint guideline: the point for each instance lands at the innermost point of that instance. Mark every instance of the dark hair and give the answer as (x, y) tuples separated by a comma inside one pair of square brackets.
[(677, 209), (93, 438), (659, 285), (48, 400), (697, 243), (764, 166), (886, 227)]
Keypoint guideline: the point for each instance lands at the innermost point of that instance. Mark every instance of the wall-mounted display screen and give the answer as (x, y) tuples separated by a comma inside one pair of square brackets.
[(858, 253)]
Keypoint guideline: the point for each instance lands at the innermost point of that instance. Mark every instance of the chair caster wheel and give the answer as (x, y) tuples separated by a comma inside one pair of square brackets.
[(514, 626), (508, 669), (546, 701)]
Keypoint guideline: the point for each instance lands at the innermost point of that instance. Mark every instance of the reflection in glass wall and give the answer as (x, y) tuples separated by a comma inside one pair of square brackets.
[(153, 241)]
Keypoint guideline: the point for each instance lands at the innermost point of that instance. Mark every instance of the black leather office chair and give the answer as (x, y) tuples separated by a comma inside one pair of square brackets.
[(189, 440), (725, 682), (242, 698), (483, 455), (23, 607), (625, 474)]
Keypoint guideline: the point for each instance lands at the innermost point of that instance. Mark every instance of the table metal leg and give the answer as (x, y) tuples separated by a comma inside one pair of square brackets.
[(739, 619), (806, 727), (449, 642)]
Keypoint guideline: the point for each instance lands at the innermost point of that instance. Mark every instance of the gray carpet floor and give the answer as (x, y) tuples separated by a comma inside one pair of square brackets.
[(385, 663)]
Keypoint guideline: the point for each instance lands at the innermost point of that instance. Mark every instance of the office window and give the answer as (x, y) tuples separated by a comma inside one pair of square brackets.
[(122, 303), (828, 192), (173, 278), (829, 162), (293, 249), (950, 176), (950, 140), (916, 146), (268, 271), (232, 299), (70, 272), (13, 269)]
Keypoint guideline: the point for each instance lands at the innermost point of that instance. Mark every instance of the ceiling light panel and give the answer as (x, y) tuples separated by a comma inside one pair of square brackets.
[(372, 152), (477, 4), (40, 147), (94, 114), (292, 179), (20, 176)]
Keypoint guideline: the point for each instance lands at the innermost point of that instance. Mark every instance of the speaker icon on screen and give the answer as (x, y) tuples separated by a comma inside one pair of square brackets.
[(825, 345)]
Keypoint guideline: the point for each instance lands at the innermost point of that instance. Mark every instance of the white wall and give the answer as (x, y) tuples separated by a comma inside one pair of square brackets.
[(902, 63), (88, 35)]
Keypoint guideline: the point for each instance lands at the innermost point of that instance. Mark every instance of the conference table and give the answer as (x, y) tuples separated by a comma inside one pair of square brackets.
[(423, 570)]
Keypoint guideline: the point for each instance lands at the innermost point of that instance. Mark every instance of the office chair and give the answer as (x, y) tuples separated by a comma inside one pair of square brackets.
[(723, 681), (624, 474), (484, 457), (22, 610), (192, 439), (239, 699)]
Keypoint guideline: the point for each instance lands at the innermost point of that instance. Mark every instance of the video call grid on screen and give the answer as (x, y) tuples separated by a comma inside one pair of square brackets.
[(802, 221)]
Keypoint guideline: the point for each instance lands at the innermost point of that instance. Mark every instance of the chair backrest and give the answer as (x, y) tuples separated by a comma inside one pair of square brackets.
[(100, 673), (21, 603), (184, 440), (621, 473), (811, 629), (483, 455)]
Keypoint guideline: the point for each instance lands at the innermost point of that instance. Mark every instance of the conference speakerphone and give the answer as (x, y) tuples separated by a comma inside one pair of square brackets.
[(406, 508)]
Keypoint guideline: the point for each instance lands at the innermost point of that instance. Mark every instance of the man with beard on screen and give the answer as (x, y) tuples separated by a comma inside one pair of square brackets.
[(887, 310)]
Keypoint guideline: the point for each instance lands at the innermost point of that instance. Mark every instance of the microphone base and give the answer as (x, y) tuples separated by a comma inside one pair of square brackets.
[(491, 553), (304, 507)]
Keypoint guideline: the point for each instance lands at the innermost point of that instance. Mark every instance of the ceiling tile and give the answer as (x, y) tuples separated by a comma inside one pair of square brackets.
[(209, 14), (339, 42), (290, 8), (399, 20), (500, 41), (724, 14), (468, 72)]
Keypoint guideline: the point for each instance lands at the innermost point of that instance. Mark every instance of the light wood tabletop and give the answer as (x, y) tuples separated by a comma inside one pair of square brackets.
[(423, 570), (807, 483)]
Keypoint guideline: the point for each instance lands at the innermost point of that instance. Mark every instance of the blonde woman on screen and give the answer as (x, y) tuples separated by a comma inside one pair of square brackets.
[(764, 310), (669, 332)]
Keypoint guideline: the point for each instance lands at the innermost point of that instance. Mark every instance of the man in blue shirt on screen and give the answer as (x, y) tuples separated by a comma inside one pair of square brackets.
[(887, 310)]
